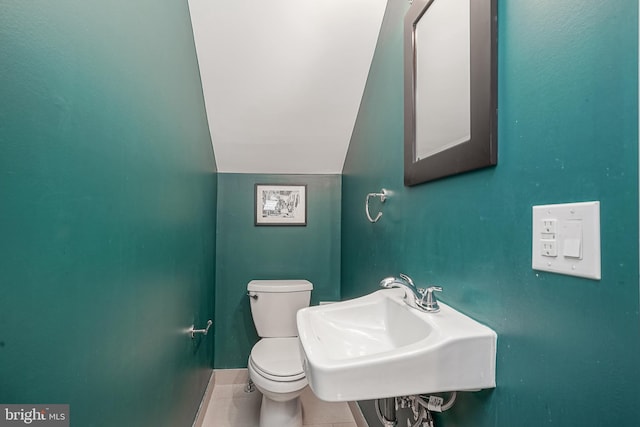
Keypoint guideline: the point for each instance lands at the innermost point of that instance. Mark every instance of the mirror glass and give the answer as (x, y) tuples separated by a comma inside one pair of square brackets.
[(450, 88), (443, 81)]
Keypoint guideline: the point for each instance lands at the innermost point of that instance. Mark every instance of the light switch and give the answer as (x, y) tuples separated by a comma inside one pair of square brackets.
[(566, 239), (572, 232)]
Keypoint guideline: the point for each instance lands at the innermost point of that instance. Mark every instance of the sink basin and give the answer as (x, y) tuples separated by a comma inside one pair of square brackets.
[(377, 346)]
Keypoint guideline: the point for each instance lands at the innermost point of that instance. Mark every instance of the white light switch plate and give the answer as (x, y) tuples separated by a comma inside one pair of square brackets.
[(572, 231)]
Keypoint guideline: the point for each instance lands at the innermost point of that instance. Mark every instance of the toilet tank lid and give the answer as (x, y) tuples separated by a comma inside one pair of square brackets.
[(279, 285)]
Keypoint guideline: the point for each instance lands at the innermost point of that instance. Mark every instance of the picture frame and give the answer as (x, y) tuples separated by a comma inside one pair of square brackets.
[(280, 204)]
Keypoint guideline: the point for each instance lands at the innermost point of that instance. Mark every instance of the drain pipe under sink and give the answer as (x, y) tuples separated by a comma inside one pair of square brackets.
[(386, 411), (421, 405)]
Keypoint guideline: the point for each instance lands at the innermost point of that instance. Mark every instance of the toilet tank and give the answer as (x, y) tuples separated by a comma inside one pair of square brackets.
[(274, 304)]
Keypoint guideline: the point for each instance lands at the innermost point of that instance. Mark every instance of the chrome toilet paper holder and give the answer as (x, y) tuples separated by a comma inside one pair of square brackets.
[(192, 332)]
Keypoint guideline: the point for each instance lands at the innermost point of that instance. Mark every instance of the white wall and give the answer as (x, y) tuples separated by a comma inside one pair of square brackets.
[(283, 79)]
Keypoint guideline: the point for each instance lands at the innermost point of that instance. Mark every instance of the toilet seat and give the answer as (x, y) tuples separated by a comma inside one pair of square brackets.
[(277, 359)]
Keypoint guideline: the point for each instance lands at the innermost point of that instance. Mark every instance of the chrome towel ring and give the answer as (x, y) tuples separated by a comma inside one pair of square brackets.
[(383, 194)]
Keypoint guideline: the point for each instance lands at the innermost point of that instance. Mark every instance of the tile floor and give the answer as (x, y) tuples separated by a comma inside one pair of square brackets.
[(230, 406)]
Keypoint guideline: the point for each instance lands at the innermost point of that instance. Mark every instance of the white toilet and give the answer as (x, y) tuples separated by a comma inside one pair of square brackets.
[(275, 364)]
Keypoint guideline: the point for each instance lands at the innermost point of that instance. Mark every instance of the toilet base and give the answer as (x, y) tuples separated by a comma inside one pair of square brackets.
[(280, 414)]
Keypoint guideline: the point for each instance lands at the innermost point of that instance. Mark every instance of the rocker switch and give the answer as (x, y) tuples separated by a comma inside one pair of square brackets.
[(572, 231)]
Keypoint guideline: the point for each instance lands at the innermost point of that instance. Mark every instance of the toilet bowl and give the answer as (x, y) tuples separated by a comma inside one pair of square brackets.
[(275, 363), (275, 367)]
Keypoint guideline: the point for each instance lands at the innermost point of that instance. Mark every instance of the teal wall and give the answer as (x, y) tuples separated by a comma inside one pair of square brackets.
[(568, 118), (107, 211), (246, 252)]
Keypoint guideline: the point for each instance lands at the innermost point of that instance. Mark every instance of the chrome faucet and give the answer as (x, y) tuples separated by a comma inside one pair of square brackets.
[(420, 299)]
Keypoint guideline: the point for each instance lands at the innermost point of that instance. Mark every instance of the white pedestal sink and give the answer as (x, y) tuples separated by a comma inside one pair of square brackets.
[(376, 346)]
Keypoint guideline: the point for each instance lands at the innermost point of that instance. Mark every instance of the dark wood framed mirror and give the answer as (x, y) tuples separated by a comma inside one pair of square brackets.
[(450, 88)]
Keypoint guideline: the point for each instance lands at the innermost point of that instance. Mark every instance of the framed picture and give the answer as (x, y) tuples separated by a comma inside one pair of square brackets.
[(281, 204)]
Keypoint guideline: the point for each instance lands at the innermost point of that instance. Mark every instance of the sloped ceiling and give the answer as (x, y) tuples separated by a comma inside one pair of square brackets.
[(283, 79)]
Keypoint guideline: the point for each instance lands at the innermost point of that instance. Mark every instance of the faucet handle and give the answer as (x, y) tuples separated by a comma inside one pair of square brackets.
[(431, 303)]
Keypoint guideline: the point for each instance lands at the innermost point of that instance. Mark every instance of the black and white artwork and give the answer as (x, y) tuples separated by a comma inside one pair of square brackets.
[(281, 204)]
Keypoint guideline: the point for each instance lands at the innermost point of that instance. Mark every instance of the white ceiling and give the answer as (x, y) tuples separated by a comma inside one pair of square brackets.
[(283, 79)]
